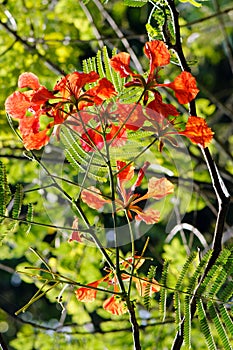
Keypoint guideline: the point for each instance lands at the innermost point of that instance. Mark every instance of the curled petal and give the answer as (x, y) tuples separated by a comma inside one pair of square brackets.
[(158, 110), (125, 173), (115, 306), (42, 95), (149, 216), (157, 53), (159, 188), (28, 79), (91, 139), (93, 198), (36, 141), (185, 87), (143, 286), (86, 294), (17, 104), (141, 175), (120, 63), (198, 131)]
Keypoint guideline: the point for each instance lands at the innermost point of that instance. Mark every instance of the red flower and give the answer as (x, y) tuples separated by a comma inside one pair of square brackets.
[(184, 85), (28, 106), (71, 88), (157, 189), (198, 131)]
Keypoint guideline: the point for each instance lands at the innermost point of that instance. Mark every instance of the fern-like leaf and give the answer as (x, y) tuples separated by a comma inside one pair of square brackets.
[(185, 269), (187, 322), (177, 306), (29, 216), (221, 273), (219, 326), (205, 327), (198, 272), (5, 194), (147, 297), (163, 292), (226, 319), (18, 200)]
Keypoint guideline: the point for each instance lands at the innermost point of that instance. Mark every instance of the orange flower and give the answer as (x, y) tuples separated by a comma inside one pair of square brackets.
[(157, 189), (184, 87), (28, 106), (184, 84), (115, 305), (198, 131), (85, 294)]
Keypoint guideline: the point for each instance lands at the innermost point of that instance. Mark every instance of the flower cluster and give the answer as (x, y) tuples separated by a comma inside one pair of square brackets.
[(39, 110), (114, 304), (129, 200)]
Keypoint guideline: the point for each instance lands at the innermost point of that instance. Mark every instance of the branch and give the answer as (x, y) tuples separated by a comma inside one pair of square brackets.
[(120, 35), (220, 189), (3, 345), (51, 65)]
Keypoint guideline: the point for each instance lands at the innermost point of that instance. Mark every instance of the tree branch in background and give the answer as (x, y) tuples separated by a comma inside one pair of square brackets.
[(221, 192)]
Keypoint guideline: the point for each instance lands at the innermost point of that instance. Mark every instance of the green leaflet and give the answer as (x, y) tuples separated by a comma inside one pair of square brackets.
[(163, 292), (205, 327), (135, 3), (147, 297), (5, 194), (215, 317), (18, 201)]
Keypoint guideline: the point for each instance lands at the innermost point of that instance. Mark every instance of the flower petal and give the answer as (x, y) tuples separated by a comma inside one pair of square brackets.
[(125, 173), (198, 131), (16, 105), (131, 115), (91, 139), (157, 53), (75, 235), (36, 141), (120, 63), (158, 110), (72, 83), (93, 198), (86, 294), (159, 188), (185, 87), (121, 137), (115, 306), (149, 216), (28, 79), (42, 95)]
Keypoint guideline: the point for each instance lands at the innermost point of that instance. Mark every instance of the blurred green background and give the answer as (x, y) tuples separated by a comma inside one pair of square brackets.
[(50, 38)]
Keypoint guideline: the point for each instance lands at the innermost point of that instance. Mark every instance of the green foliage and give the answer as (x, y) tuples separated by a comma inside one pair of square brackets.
[(147, 297), (210, 302), (57, 36), (135, 3)]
